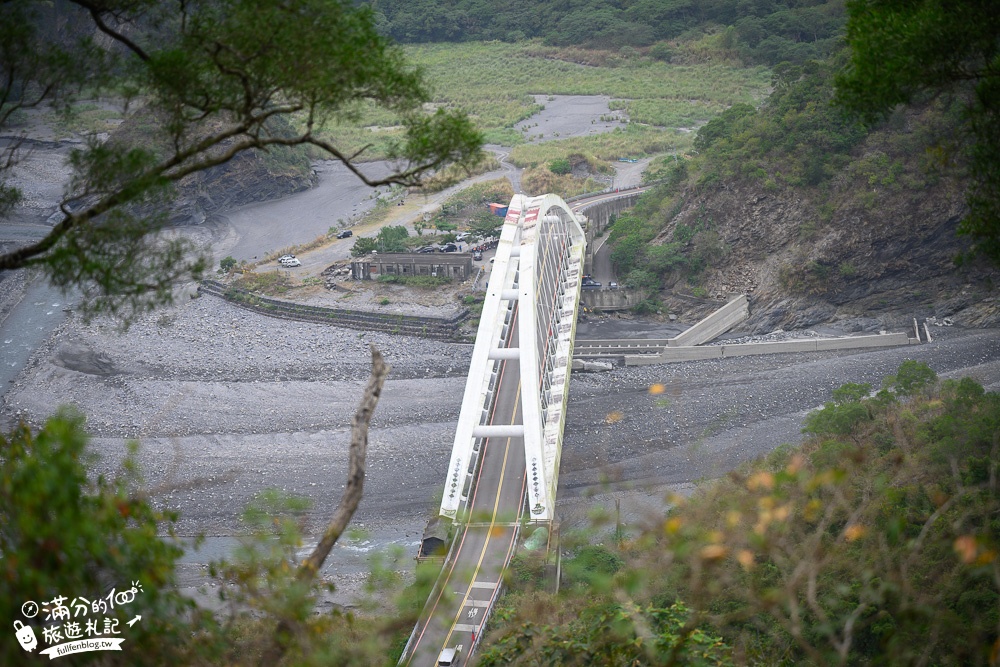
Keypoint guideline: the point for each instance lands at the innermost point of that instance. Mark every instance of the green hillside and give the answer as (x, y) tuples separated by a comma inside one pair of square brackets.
[(759, 32)]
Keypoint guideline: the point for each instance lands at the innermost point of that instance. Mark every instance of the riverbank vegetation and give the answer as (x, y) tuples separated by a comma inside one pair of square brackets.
[(497, 86)]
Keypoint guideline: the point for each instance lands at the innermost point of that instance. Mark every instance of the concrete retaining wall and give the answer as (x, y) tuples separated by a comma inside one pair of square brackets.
[(410, 325), (717, 323), (691, 353), (610, 299)]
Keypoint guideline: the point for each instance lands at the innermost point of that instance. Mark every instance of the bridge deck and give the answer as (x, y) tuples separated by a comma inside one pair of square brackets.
[(472, 578)]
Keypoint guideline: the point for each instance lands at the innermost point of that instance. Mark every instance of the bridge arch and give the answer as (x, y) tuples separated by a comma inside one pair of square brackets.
[(529, 315)]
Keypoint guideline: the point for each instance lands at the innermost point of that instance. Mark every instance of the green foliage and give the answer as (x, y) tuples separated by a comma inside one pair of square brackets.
[(478, 195), (227, 264), (527, 571), (762, 32), (267, 282), (721, 126), (797, 137), (496, 83), (603, 633), (390, 239), (901, 52), (911, 378), (592, 566), (875, 543), (840, 418), (62, 534), (363, 246), (423, 282), (216, 80), (560, 166)]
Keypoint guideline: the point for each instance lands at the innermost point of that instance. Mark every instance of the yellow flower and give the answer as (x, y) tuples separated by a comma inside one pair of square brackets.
[(713, 552), (614, 417), (657, 389), (966, 548), (854, 532), (761, 480), (745, 558)]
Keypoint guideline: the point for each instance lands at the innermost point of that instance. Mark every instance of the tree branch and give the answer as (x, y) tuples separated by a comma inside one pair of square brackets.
[(356, 470), (348, 501), (95, 13)]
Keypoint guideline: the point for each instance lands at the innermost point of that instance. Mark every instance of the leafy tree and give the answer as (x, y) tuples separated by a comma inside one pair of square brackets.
[(227, 263), (392, 239), (214, 78), (902, 51), (721, 126), (911, 378), (62, 534), (484, 224), (363, 246)]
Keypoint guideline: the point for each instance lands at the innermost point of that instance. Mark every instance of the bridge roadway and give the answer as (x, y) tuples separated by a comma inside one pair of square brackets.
[(471, 581)]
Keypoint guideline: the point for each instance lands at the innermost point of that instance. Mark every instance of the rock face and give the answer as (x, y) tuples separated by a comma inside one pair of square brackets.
[(854, 252), (250, 176), (246, 178)]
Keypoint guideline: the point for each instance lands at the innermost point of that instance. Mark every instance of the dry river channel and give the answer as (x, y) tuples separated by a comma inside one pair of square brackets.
[(227, 403)]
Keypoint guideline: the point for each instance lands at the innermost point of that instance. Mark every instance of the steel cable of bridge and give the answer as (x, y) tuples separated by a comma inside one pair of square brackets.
[(465, 532)]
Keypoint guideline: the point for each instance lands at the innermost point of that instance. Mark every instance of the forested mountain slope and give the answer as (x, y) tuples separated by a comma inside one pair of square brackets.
[(813, 215), (760, 31)]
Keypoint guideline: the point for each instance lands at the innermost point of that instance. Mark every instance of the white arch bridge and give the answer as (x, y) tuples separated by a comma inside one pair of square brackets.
[(504, 466), (528, 318)]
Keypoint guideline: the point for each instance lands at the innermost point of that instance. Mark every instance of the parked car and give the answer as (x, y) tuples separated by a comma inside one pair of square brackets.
[(289, 262), (284, 257), (612, 285), (449, 657), (590, 283), (426, 248), (449, 247), (462, 236), (478, 256), (345, 234)]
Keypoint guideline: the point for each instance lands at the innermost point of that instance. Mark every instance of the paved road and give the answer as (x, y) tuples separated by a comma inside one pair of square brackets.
[(472, 576), (602, 270)]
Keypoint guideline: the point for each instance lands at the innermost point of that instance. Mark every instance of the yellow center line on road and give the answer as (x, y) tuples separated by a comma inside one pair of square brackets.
[(489, 533)]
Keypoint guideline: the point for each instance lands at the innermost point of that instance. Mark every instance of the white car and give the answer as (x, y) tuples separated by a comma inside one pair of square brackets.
[(284, 257), (289, 262)]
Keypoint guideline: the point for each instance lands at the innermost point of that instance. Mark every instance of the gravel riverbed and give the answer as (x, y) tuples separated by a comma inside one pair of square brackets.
[(227, 402)]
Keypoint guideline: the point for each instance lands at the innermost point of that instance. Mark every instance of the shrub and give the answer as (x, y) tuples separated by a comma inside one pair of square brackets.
[(911, 378), (560, 166)]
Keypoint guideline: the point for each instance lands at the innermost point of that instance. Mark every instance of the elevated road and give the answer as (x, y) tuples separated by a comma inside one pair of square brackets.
[(471, 580)]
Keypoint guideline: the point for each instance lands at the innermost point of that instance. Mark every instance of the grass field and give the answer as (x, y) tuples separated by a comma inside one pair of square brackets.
[(494, 83)]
